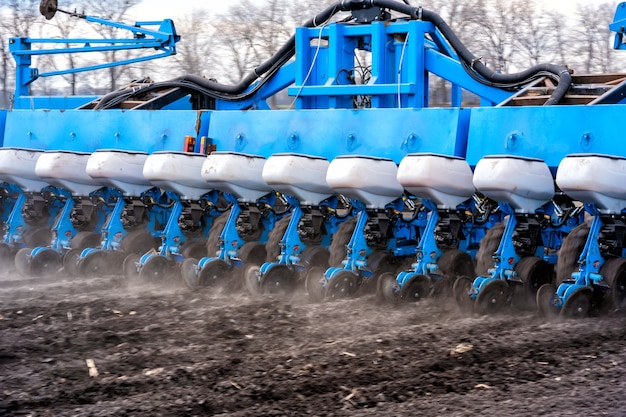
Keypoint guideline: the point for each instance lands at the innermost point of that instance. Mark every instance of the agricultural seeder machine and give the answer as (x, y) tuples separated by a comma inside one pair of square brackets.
[(361, 186)]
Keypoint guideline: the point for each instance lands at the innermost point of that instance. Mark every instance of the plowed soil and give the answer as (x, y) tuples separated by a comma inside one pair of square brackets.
[(98, 347)]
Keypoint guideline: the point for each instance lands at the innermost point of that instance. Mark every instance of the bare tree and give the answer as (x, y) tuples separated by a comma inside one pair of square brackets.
[(19, 19), (593, 36)]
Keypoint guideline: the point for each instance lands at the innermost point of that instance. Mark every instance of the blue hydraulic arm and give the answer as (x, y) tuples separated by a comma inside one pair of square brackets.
[(159, 36), (618, 25)]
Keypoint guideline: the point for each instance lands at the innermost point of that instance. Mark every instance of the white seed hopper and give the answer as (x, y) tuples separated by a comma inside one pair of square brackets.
[(593, 178), (66, 169), (17, 166), (119, 169), (525, 183), (236, 173), (178, 172), (302, 176), (446, 180), (370, 180)]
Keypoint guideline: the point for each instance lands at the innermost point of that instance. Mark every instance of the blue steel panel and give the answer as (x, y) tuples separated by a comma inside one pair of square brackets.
[(3, 118), (548, 132), (390, 133), (86, 130)]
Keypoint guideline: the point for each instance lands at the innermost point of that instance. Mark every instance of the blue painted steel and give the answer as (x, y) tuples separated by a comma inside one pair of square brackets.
[(86, 131), (388, 133), (547, 132), (402, 56), (618, 25), (162, 39)]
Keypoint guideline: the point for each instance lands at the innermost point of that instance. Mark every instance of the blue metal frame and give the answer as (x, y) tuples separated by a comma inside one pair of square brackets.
[(162, 39)]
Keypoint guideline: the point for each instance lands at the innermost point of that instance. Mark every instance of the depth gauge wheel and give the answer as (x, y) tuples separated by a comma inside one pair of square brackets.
[(492, 298), (214, 274), (578, 304), (416, 289), (343, 285), (279, 279), (45, 263), (250, 274)]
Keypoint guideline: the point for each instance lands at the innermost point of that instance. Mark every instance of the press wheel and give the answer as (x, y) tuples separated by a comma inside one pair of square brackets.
[(70, 262), (387, 288), (22, 261), (534, 272), (250, 274), (189, 273), (130, 267), (342, 285), (546, 295), (314, 283), (614, 273), (461, 290), (279, 279), (578, 304), (492, 298), (416, 289)]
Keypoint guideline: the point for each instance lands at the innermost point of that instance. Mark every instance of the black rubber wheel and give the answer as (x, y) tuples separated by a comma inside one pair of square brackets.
[(213, 242), (22, 261), (614, 273), (387, 289), (139, 242), (379, 263), (488, 246), (250, 275), (157, 269), (272, 246), (253, 252), (417, 289), (279, 280), (315, 256), (70, 262), (38, 236), (84, 240), (492, 298), (455, 263), (215, 274), (569, 253), (534, 272), (7, 257), (546, 295), (461, 290), (189, 273), (130, 267), (341, 238), (314, 283), (343, 285), (195, 250), (45, 263), (578, 304)]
